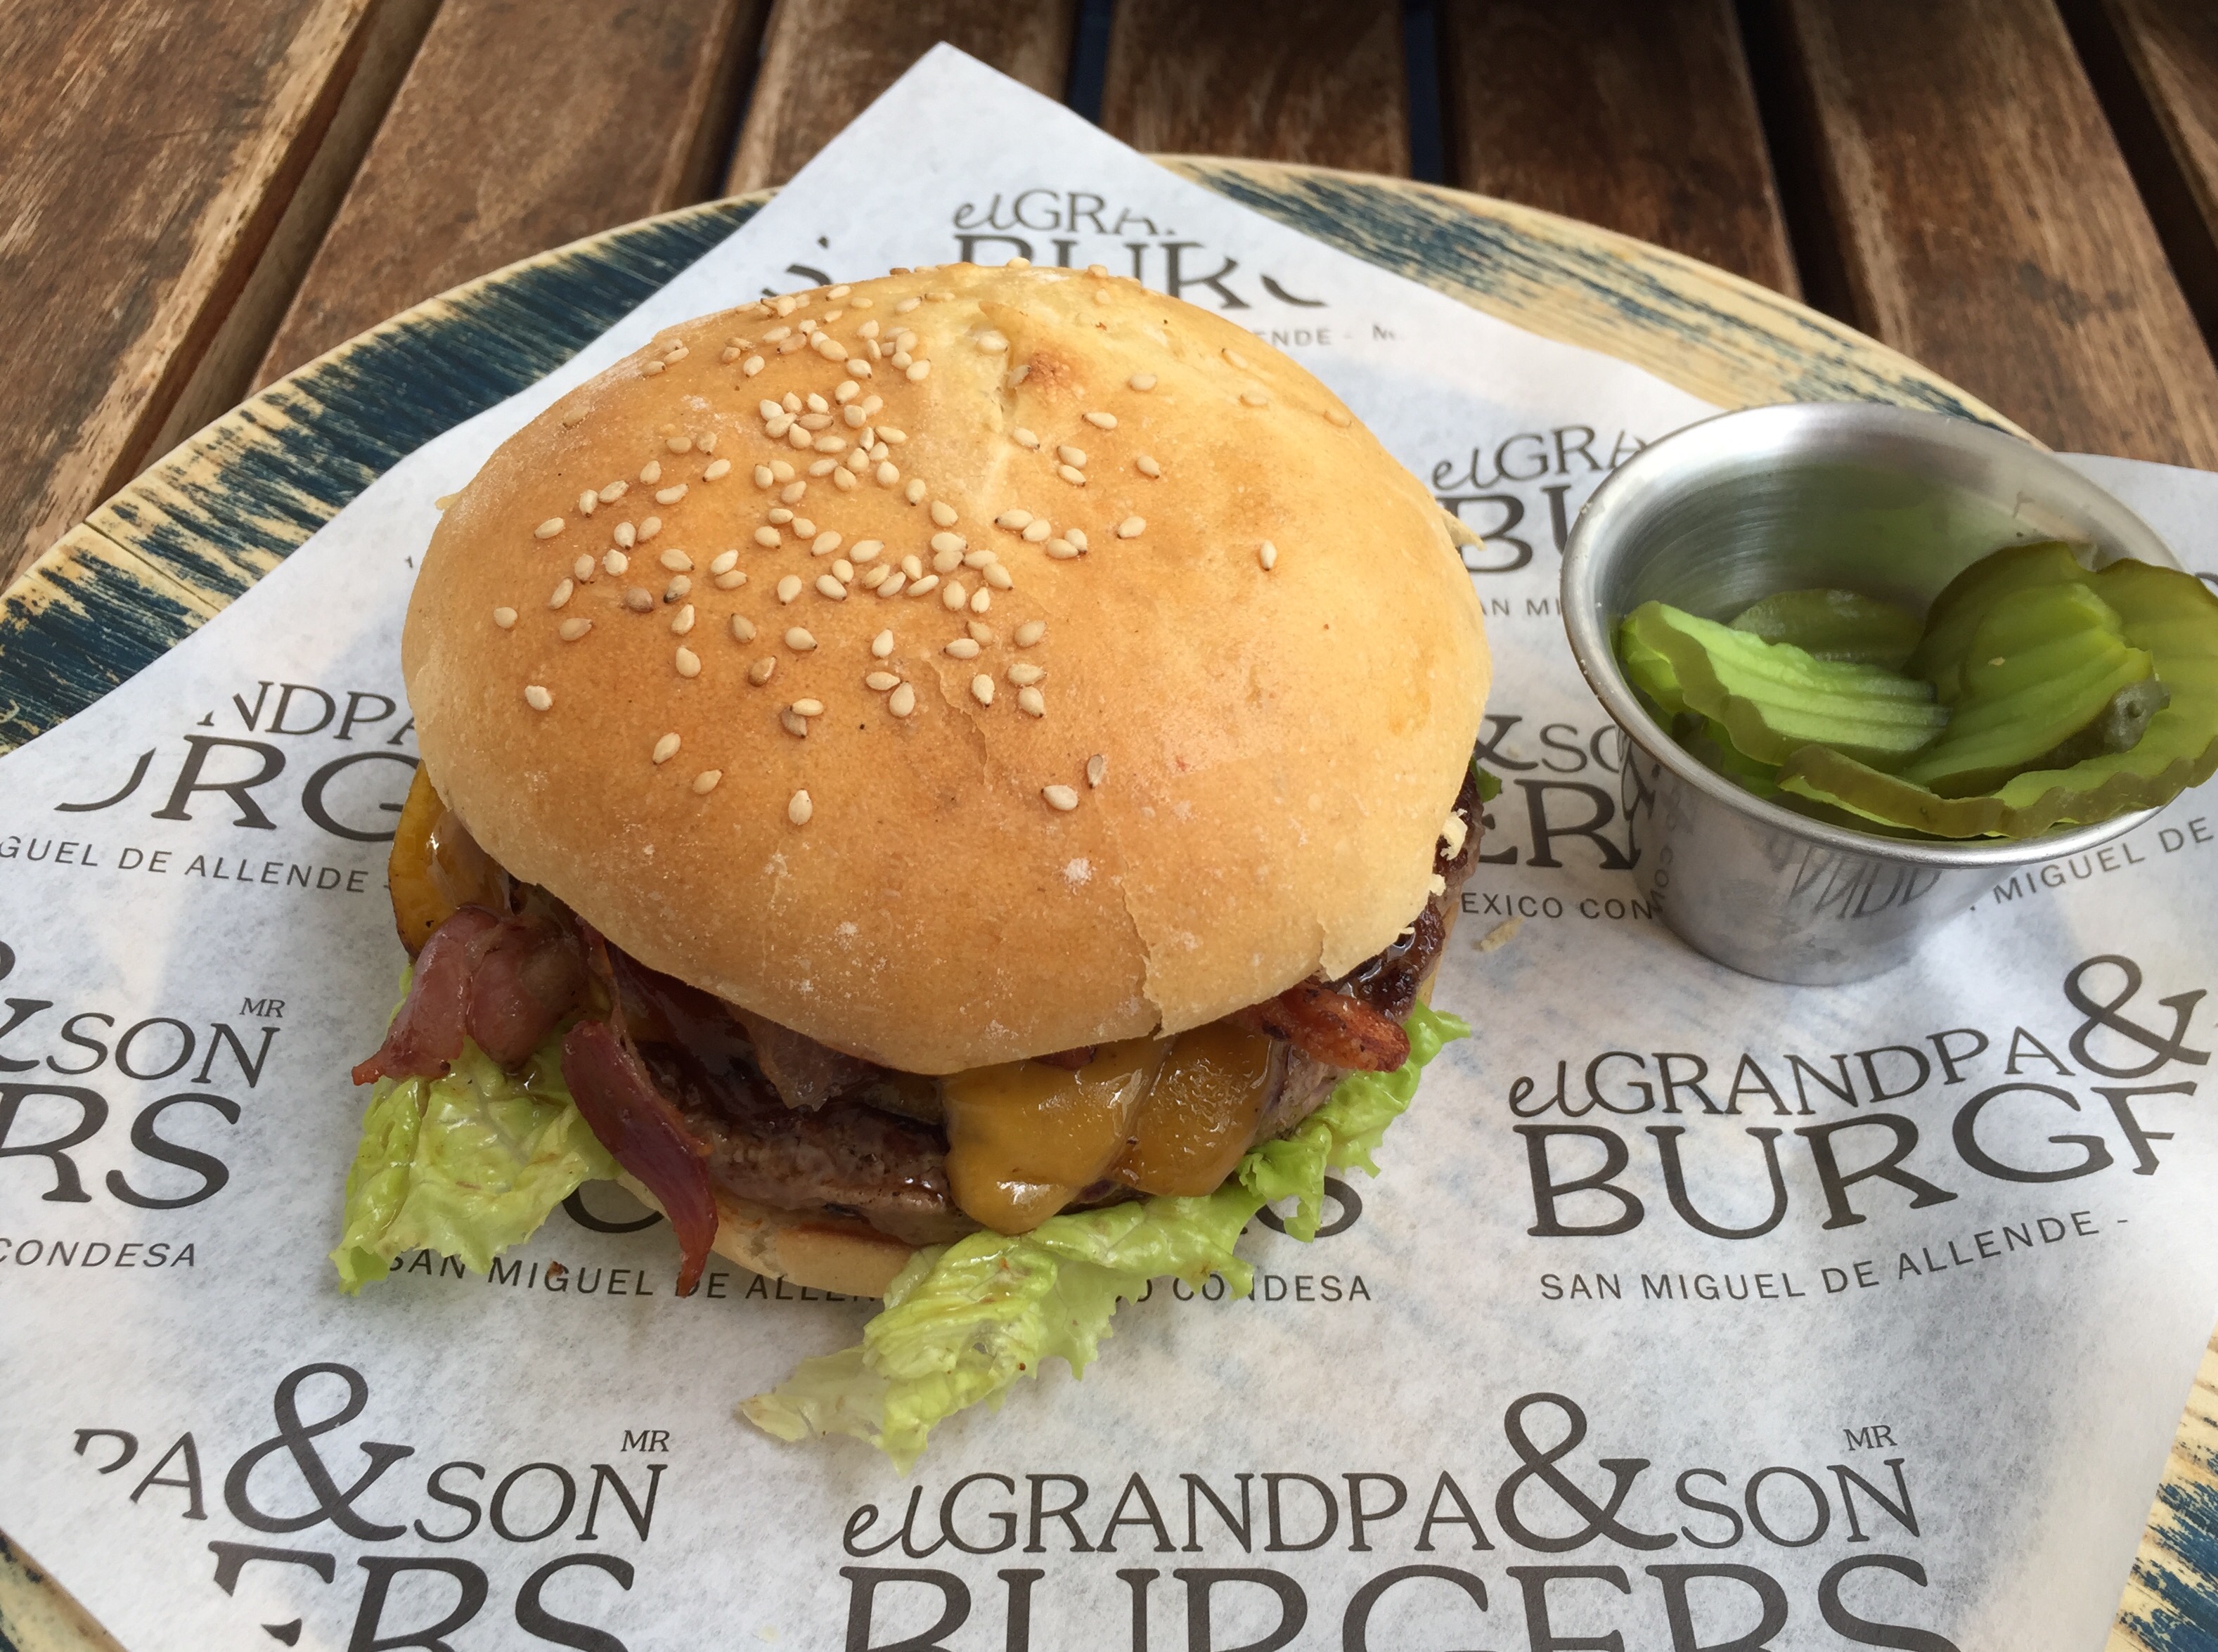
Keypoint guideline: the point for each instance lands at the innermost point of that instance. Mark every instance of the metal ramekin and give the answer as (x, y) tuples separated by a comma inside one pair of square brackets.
[(1882, 500)]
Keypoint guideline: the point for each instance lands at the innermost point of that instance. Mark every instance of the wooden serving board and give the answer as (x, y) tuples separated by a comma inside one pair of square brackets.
[(202, 525)]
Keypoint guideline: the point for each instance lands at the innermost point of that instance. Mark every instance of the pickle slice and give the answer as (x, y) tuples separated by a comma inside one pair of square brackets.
[(1837, 625), (2045, 661), (1946, 647), (1774, 698), (1650, 673)]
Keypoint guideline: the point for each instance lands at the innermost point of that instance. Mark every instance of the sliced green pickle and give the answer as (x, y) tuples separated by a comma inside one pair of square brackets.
[(1650, 673), (2046, 660), (1837, 625), (2118, 727), (1774, 698), (1946, 647)]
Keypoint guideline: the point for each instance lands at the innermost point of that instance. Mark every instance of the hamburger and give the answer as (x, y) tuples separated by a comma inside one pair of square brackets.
[(950, 787)]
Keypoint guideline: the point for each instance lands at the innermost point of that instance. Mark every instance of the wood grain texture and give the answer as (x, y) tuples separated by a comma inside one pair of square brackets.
[(1985, 223), (2170, 1602), (1640, 118), (129, 239), (38, 1614), (2154, 63), (1315, 81), (824, 60), (631, 116)]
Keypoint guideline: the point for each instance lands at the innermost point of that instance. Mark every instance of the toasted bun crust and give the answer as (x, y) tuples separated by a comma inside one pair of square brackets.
[(1278, 747), (826, 1253)]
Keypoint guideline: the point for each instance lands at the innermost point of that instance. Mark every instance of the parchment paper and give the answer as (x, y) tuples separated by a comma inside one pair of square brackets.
[(1939, 1403)]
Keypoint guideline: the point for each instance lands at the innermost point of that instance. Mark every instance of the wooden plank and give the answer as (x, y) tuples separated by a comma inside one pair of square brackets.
[(1640, 118), (2155, 65), (499, 145), (2168, 1603), (824, 60), (1316, 81), (1984, 221), (152, 152)]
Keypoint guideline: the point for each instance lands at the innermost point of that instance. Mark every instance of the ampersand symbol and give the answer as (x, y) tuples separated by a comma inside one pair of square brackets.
[(2162, 1049), (1600, 1519), (294, 1436)]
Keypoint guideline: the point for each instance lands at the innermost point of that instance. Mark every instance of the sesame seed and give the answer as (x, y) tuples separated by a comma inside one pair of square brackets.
[(724, 562), (639, 600), (613, 492), (767, 538), (752, 366), (1031, 702), (1102, 421), (886, 474), (800, 809), (902, 699), (982, 689), (537, 698), (650, 472), (1062, 798), (1255, 398), (828, 586), (785, 306), (1147, 466), (946, 561), (1015, 521), (912, 566), (980, 600), (922, 587), (777, 425), (780, 471), (1142, 382), (799, 438), (1131, 527), (678, 444), (561, 594), (1234, 357), (915, 491), (991, 343), (843, 569), (794, 723), (809, 708), (789, 588), (961, 648), (676, 588), (682, 620), (1338, 417), (505, 618), (891, 586), (866, 550), (665, 748), (1024, 438), (1039, 530), (1100, 295), (916, 372), (548, 529), (1097, 269), (942, 513), (905, 306), (1077, 536), (804, 529), (952, 595), (717, 470), (1030, 632), (1268, 555), (743, 629), (730, 353), (795, 492), (759, 672), (847, 391), (1072, 475), (705, 782), (979, 559), (954, 543), (831, 444), (979, 631), (875, 575), (615, 563), (1097, 766), (732, 580), (689, 663), (1024, 674), (650, 369), (882, 645), (799, 640), (1019, 374), (1062, 549), (588, 502), (880, 681), (649, 527), (584, 568), (678, 353), (676, 560), (1071, 455)]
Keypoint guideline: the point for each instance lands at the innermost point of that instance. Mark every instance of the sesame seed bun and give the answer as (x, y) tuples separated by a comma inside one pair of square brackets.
[(1221, 764)]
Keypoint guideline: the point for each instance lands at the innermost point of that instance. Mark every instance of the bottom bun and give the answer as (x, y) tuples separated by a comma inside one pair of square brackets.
[(844, 1255)]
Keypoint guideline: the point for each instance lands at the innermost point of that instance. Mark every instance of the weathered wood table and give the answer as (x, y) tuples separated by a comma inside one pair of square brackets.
[(197, 197)]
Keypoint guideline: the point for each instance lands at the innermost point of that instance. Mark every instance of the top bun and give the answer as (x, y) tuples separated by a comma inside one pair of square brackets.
[(1142, 771)]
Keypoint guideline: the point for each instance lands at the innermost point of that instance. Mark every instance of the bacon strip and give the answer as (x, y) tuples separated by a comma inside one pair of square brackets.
[(529, 976), (427, 1034), (1331, 1027), (647, 1135)]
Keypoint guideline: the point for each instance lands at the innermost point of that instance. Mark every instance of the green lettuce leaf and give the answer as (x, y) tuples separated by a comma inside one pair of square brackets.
[(465, 1166), (963, 1322)]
